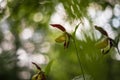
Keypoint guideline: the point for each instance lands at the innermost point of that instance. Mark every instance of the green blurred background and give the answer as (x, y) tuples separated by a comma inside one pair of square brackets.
[(26, 36)]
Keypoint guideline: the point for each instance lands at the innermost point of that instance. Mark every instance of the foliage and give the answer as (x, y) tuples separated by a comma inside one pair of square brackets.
[(88, 64), (8, 66)]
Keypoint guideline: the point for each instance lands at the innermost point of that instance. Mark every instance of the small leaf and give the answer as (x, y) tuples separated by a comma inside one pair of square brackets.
[(102, 43), (76, 29), (59, 27), (101, 30), (61, 38), (48, 67)]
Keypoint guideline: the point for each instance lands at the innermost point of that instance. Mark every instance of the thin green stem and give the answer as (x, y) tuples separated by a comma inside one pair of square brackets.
[(77, 53), (118, 50)]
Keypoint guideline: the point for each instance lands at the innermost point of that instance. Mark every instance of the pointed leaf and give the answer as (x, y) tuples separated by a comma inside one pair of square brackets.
[(101, 30), (61, 38), (48, 67), (76, 29), (59, 27)]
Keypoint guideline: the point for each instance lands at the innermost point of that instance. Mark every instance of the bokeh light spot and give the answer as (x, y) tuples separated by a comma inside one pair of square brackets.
[(116, 22), (38, 17), (45, 47), (38, 58), (117, 10), (24, 75), (26, 33), (23, 58)]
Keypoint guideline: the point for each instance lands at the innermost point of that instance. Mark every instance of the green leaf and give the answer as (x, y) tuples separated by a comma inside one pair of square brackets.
[(76, 29), (48, 67)]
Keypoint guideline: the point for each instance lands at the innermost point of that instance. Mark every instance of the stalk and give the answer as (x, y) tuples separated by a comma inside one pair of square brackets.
[(77, 53), (118, 50)]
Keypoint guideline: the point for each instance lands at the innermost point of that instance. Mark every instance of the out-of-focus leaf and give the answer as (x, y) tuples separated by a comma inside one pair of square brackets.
[(102, 43), (80, 77), (101, 30), (59, 27), (76, 29), (48, 67), (61, 38)]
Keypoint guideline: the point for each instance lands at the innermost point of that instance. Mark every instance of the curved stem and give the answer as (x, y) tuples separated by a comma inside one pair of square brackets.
[(79, 59), (118, 50)]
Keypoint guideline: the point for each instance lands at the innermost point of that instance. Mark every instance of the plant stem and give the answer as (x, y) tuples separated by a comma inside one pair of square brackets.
[(79, 59), (118, 50)]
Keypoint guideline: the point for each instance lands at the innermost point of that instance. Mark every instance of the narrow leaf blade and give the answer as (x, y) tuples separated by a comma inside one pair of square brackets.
[(76, 29), (48, 67)]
